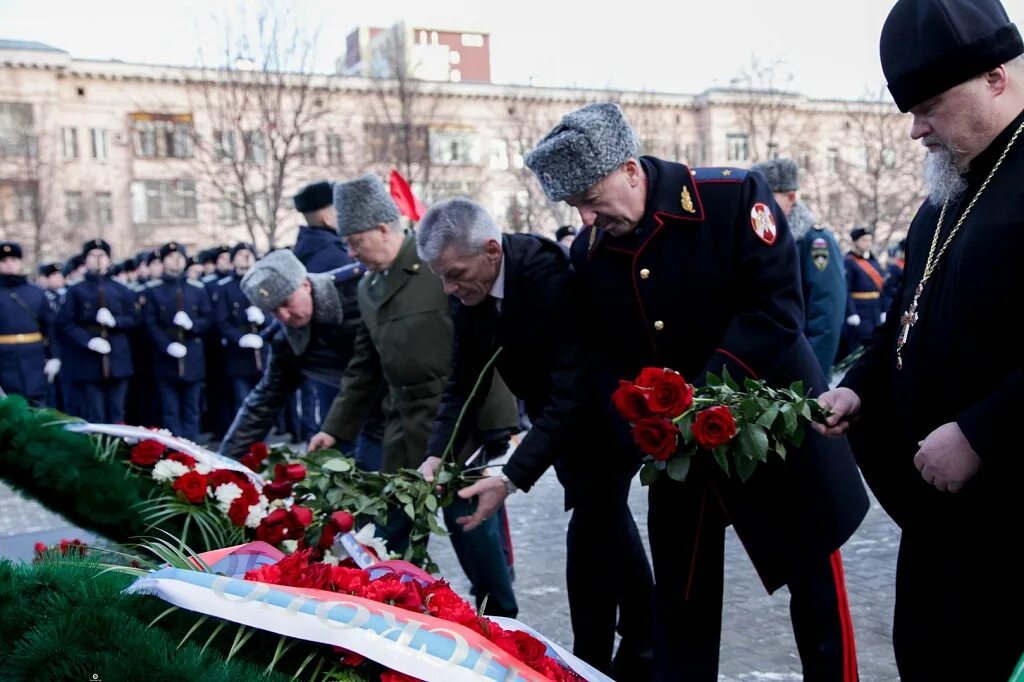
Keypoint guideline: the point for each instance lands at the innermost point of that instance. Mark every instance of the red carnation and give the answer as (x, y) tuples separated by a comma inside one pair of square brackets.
[(75, 545), (670, 396), (290, 472), (192, 486), (386, 589), (348, 658), (278, 490), (350, 580), (269, 573), (238, 512), (713, 427), (316, 576), (656, 437), (631, 402), (395, 676), (219, 477), (147, 453), (181, 457)]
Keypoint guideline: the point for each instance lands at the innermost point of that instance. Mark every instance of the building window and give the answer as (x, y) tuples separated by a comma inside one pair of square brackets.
[(455, 76), (454, 147), (833, 159), (104, 209), (805, 162), (163, 135), (439, 190), (74, 208), (773, 150), (16, 129), (224, 146), (388, 142), (835, 205), (454, 58), (156, 201), (737, 147), (25, 205), (335, 149), (499, 155), (472, 40), (307, 147), (230, 210), (255, 148), (100, 143), (69, 142)]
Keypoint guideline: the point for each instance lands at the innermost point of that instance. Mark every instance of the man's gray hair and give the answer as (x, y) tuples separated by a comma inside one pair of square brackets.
[(456, 223)]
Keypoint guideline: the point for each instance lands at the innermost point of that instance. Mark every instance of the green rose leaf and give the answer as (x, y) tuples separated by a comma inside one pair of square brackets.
[(745, 468), (678, 468), (648, 473), (337, 465), (768, 418)]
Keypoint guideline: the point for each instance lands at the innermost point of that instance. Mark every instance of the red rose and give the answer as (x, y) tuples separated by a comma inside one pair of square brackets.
[(273, 527), (251, 462), (343, 521), (192, 486), (670, 396), (631, 402), (75, 545), (278, 490), (348, 658), (303, 515), (289, 472), (238, 512), (181, 457), (147, 453), (713, 427), (259, 451), (648, 377), (219, 477), (656, 437), (40, 548)]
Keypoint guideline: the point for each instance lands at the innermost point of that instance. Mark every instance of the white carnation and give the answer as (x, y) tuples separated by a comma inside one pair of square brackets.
[(203, 468), (330, 559), (167, 470), (289, 546), (257, 513), (226, 494)]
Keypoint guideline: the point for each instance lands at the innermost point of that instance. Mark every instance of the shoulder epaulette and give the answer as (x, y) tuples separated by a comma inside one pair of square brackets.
[(347, 273), (224, 281), (720, 174), (198, 285)]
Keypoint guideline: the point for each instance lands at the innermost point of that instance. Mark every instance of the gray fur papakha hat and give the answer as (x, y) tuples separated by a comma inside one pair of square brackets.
[(363, 204), (273, 279), (586, 145), (783, 175)]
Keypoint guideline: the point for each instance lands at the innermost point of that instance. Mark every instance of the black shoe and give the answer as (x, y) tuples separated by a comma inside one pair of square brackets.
[(633, 666)]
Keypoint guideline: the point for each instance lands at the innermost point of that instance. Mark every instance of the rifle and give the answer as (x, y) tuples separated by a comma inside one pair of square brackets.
[(104, 359)]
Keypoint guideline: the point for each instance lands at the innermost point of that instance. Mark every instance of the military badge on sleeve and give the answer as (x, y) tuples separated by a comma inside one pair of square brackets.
[(819, 253), (763, 222)]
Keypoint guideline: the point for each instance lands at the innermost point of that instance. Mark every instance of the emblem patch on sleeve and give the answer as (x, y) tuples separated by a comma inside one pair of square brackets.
[(819, 253), (763, 222)]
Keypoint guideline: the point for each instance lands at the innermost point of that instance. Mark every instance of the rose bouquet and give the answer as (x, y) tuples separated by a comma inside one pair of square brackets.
[(674, 421)]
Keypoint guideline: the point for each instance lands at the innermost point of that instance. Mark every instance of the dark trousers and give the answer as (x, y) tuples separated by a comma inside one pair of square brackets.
[(101, 402), (481, 553), (179, 401), (959, 600), (619, 597), (325, 395), (240, 387), (303, 419), (687, 532)]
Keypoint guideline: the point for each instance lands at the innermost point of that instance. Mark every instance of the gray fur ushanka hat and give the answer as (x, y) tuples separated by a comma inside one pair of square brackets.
[(586, 145), (273, 279), (362, 204)]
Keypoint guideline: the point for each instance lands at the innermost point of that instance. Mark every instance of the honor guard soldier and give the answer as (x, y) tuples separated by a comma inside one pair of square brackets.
[(240, 325), (696, 270), (94, 322), (178, 313), (27, 360), (74, 269), (865, 281), (51, 279), (218, 403)]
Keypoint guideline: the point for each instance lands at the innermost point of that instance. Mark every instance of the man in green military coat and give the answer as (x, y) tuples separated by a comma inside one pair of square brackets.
[(405, 339)]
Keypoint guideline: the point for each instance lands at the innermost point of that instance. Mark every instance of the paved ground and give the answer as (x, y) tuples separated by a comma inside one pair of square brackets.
[(757, 641)]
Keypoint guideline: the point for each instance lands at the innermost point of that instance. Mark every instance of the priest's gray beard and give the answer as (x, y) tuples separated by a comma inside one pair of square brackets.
[(942, 177)]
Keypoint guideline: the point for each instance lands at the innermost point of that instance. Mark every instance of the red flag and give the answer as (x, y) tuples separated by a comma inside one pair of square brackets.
[(407, 203)]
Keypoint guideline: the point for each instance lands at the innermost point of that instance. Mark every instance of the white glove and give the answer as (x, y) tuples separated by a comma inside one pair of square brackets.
[(176, 350), (254, 341), (853, 320), (51, 368), (255, 315), (881, 318), (182, 319), (99, 345), (105, 317)]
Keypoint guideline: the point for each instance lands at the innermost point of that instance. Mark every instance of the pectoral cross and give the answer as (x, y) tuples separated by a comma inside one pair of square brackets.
[(908, 320)]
